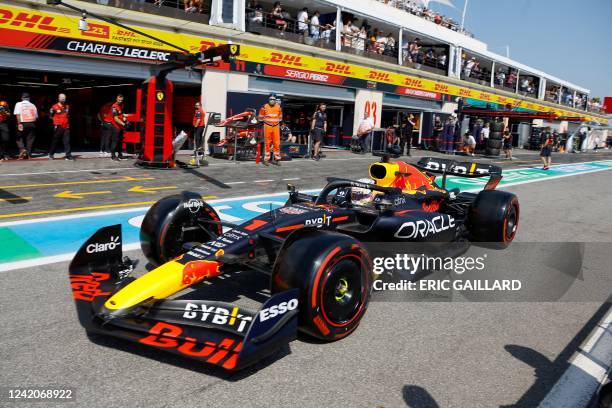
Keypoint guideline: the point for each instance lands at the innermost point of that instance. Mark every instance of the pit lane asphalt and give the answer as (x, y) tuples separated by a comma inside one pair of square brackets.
[(416, 354), (30, 188)]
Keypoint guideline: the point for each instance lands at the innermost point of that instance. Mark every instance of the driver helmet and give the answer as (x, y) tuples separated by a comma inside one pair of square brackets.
[(359, 194)]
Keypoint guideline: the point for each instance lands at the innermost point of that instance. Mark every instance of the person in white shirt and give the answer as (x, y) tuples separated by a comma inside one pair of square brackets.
[(315, 29), (302, 18), (364, 132), (467, 70), (485, 132), (26, 114), (361, 40)]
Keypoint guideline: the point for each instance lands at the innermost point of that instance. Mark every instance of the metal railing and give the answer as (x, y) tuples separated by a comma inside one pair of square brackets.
[(363, 45), (412, 8), (430, 60), (192, 10), (258, 21)]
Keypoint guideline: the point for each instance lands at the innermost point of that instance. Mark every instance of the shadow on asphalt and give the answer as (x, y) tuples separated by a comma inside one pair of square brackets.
[(547, 372), (418, 397), (8, 197)]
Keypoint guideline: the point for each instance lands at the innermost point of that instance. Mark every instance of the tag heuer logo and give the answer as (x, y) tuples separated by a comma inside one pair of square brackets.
[(160, 96)]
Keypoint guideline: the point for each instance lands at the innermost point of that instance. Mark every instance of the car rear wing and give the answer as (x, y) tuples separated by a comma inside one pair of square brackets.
[(461, 169)]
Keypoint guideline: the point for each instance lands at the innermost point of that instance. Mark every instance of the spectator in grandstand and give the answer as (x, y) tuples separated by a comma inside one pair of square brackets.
[(511, 80), (193, 6), (442, 60), (430, 57), (524, 84), (500, 77), (329, 32), (279, 17), (468, 67), (360, 42), (414, 50), (389, 48), (315, 26), (255, 13), (302, 18), (349, 32), (507, 144)]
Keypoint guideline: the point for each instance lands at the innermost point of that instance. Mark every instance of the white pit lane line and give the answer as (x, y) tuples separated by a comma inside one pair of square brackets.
[(587, 372)]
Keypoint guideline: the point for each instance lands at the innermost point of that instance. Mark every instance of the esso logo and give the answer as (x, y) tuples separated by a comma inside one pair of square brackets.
[(108, 246), (277, 310)]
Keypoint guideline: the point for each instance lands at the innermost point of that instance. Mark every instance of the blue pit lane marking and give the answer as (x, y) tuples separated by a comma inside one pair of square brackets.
[(57, 236)]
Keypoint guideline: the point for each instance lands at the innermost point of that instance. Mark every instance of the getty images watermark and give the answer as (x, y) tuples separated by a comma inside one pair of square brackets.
[(464, 272), (413, 264)]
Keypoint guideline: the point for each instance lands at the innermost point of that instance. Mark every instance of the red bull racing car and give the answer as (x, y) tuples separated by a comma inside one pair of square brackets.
[(312, 251)]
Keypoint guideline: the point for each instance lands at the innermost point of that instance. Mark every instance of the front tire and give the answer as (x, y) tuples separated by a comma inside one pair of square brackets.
[(334, 274), (163, 232), (493, 218)]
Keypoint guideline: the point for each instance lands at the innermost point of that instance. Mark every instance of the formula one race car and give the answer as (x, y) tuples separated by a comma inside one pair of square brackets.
[(312, 250)]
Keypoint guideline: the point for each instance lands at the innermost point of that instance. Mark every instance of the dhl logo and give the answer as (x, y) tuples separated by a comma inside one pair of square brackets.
[(379, 76), (30, 20), (286, 59), (464, 92), (126, 33), (338, 68), (485, 96), (413, 82), (441, 88)]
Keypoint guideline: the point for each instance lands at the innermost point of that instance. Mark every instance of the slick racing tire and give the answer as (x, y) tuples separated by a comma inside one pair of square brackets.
[(491, 152), (493, 218), (495, 136), (334, 275), (163, 234), (494, 144), (497, 127)]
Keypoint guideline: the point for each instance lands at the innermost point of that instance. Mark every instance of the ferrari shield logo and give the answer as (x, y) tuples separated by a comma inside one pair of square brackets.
[(160, 96), (234, 49)]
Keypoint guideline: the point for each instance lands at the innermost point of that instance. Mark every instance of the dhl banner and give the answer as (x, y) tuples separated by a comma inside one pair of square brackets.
[(54, 32)]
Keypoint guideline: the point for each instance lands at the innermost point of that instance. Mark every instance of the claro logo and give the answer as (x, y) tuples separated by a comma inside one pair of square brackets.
[(108, 246), (424, 228)]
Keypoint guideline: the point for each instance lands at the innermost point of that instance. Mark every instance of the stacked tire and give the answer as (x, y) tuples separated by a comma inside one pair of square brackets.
[(494, 142)]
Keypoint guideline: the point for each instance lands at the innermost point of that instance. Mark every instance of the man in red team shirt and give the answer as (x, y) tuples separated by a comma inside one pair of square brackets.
[(61, 127), (199, 123), (118, 122), (105, 117), (5, 113)]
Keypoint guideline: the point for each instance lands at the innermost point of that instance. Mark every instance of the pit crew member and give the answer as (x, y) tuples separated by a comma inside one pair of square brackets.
[(59, 113)]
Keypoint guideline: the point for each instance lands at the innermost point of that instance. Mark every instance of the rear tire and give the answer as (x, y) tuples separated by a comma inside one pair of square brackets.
[(493, 218), (161, 234), (497, 127), (491, 152), (494, 144), (334, 274)]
